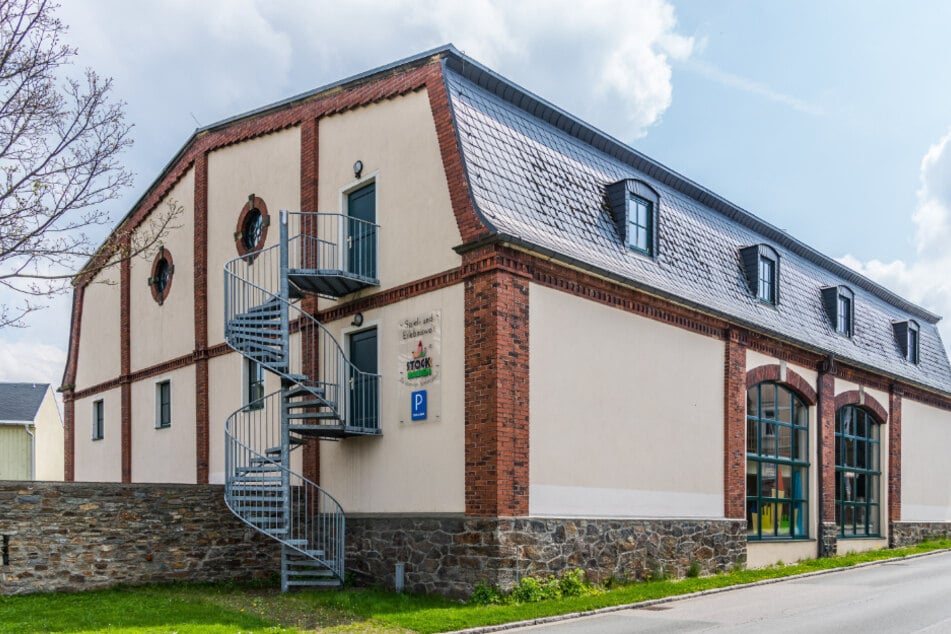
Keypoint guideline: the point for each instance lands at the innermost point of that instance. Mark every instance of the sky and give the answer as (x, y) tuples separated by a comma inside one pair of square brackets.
[(829, 120)]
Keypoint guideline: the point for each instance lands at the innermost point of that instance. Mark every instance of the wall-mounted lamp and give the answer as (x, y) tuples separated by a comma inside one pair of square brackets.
[(357, 169), (357, 320)]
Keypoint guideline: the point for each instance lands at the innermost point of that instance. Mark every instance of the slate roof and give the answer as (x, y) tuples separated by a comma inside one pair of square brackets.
[(19, 402), (538, 177)]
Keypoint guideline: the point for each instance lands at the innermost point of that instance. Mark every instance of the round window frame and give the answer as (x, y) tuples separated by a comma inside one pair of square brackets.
[(246, 211), (166, 256)]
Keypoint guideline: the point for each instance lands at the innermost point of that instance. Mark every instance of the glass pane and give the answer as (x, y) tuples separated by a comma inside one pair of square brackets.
[(798, 483), (802, 415), (849, 452), (848, 524), (800, 519), (751, 477), (838, 488), (860, 520), (873, 488), (752, 517), (768, 519), (768, 400), (873, 520), (802, 445), (785, 441), (873, 429), (785, 406), (752, 401), (846, 417), (860, 423), (784, 520), (767, 479), (751, 435), (784, 482), (861, 487), (861, 449), (873, 449), (848, 487)]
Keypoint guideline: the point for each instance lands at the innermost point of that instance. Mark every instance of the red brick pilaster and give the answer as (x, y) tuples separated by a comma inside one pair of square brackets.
[(125, 348), (202, 422), (826, 448), (894, 453), (69, 436), (734, 427), (496, 397), (308, 202)]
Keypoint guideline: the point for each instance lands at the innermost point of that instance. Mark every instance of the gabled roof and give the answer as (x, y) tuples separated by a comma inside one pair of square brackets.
[(19, 402), (538, 178)]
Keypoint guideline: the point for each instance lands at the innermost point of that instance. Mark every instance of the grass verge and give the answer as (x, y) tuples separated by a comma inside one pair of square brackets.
[(230, 608)]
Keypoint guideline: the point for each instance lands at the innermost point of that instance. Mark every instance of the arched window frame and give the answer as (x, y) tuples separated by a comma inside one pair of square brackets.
[(858, 468), (777, 508)]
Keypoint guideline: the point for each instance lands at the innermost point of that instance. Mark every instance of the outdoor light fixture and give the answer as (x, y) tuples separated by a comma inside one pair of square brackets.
[(357, 320), (357, 169)]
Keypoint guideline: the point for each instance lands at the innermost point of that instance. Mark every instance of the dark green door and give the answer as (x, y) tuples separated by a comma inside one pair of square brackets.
[(361, 231), (363, 391)]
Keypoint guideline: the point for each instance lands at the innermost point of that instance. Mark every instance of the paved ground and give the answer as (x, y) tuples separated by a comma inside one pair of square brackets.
[(901, 596)]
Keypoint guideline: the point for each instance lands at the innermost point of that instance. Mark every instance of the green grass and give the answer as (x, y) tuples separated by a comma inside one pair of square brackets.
[(230, 608)]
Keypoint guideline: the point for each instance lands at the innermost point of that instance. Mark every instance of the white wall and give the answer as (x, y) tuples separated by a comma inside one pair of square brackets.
[(925, 468), (626, 413), (164, 455), (98, 460)]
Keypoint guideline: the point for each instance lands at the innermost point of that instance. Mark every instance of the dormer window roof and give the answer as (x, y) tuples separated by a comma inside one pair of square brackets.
[(635, 205), (839, 303), (908, 337), (761, 265)]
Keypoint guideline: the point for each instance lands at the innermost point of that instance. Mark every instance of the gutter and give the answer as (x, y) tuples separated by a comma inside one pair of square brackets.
[(26, 426)]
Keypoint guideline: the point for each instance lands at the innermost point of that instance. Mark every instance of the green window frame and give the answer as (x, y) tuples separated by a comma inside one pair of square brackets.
[(163, 405), (777, 463), (254, 384), (98, 420), (858, 473), (640, 225)]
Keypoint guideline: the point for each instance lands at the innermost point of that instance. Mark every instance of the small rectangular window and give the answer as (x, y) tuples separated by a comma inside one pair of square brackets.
[(844, 321), (98, 416), (767, 280), (163, 404), (640, 225), (254, 384)]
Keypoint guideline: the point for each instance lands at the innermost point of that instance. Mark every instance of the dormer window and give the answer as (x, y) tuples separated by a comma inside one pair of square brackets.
[(635, 204), (908, 337), (839, 303), (761, 263)]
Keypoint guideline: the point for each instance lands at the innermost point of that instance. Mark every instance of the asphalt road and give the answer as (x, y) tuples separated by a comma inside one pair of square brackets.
[(901, 596)]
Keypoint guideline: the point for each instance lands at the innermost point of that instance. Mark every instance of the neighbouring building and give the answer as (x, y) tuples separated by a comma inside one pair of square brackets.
[(500, 342), (31, 433)]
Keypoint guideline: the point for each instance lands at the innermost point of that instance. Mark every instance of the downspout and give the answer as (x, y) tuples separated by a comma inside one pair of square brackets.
[(32, 435)]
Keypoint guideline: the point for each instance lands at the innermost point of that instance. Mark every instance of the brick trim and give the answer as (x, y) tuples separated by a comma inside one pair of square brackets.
[(309, 175), (855, 397), (793, 381), (496, 394), (200, 308), (894, 454), (734, 427), (125, 354), (69, 437)]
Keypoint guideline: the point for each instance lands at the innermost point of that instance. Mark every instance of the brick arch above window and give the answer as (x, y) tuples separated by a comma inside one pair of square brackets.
[(868, 403), (793, 381)]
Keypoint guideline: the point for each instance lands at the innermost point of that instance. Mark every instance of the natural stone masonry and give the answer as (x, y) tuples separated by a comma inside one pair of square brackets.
[(450, 555), (910, 533), (81, 536)]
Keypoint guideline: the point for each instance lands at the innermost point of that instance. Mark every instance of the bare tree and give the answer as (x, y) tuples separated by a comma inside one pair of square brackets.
[(60, 142)]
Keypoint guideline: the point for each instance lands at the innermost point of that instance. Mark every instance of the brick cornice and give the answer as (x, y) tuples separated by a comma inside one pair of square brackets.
[(793, 381), (856, 397)]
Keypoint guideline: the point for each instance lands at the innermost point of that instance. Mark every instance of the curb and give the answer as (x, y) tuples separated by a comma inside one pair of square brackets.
[(544, 620)]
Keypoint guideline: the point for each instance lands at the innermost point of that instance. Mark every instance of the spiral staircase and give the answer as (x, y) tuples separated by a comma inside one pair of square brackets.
[(322, 394)]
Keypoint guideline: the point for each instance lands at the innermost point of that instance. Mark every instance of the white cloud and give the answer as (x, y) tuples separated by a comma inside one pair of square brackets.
[(25, 362), (927, 279)]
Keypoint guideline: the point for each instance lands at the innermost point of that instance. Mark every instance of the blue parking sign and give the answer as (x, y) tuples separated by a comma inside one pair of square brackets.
[(418, 405)]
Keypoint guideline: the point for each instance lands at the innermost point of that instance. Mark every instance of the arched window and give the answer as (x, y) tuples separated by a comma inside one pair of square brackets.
[(857, 472), (777, 463)]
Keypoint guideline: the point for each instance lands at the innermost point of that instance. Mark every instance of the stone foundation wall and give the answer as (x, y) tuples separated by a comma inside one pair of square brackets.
[(79, 536), (910, 533), (450, 555)]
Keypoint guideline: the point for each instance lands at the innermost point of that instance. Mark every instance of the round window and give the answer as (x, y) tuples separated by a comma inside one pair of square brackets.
[(251, 232), (162, 271)]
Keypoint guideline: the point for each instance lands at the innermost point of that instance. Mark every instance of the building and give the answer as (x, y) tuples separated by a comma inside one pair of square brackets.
[(506, 344), (31, 433)]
